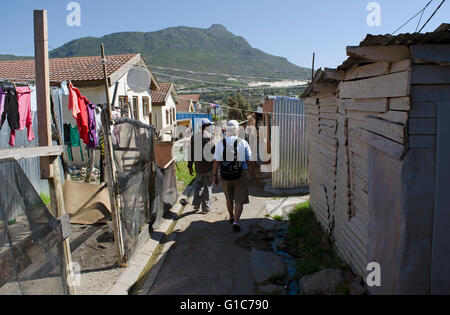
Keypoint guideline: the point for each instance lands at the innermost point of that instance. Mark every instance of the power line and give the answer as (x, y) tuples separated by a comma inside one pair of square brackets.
[(217, 74), (432, 15), (421, 11), (420, 19)]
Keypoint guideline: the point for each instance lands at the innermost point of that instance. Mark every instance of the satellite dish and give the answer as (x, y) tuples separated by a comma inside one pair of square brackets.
[(139, 80)]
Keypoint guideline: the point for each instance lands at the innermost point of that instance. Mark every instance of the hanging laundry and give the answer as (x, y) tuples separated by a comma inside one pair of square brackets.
[(25, 117), (64, 88), (82, 118), (2, 101), (33, 98), (56, 96), (75, 140), (67, 141), (73, 100), (11, 112), (98, 120), (92, 133), (79, 106)]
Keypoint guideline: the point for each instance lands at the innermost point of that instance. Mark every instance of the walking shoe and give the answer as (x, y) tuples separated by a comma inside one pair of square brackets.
[(205, 212), (196, 208), (236, 228), (231, 220)]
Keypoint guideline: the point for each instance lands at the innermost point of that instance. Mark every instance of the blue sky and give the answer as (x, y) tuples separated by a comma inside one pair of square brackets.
[(290, 28)]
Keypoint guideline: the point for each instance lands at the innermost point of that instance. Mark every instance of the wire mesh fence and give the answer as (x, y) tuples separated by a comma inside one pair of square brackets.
[(31, 241), (146, 191)]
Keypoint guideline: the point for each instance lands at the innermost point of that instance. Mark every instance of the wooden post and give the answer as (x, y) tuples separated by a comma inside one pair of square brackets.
[(43, 87), (110, 170), (49, 165), (57, 198)]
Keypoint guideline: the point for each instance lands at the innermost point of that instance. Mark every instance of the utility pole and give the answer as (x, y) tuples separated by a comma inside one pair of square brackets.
[(312, 70), (110, 169), (43, 87), (50, 167)]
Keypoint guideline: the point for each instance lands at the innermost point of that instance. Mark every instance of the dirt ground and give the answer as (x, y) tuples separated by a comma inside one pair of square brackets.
[(93, 249), (205, 258)]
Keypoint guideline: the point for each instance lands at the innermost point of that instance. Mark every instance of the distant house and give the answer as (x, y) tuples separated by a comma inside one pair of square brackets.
[(188, 103), (164, 110), (86, 74)]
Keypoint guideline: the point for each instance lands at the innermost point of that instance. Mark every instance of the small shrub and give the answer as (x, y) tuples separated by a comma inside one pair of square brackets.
[(277, 278), (45, 198), (277, 218), (314, 246)]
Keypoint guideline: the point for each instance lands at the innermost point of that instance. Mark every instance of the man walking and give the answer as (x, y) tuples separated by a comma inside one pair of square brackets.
[(203, 166), (233, 156)]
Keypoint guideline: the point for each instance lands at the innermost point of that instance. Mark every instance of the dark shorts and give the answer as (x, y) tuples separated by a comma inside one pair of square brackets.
[(236, 191)]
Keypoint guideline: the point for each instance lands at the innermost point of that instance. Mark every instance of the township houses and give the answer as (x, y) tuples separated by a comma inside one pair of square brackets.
[(164, 110), (188, 103), (86, 74)]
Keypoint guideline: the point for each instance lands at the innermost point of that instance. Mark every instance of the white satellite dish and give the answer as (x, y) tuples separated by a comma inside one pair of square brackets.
[(138, 80)]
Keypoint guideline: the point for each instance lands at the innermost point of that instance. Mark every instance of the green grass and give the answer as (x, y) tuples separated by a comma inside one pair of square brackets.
[(45, 198), (277, 278), (312, 245), (183, 175), (278, 218)]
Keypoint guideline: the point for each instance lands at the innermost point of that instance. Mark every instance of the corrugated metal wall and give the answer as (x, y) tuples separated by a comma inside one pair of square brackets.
[(31, 167), (195, 117), (292, 160)]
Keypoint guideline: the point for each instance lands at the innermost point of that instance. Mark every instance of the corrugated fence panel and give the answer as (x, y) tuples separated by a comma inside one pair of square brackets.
[(289, 117), (31, 167), (195, 117)]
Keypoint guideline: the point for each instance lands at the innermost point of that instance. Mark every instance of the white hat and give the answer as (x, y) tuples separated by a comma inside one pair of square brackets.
[(205, 122), (233, 123)]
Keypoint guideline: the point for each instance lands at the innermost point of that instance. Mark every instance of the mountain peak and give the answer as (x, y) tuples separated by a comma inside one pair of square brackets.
[(218, 27)]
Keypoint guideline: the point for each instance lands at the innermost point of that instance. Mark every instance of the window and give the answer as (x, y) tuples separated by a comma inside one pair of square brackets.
[(136, 107), (150, 119), (146, 106), (123, 103), (167, 117)]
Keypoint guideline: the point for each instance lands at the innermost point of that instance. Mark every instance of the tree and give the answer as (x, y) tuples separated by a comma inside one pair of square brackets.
[(242, 107)]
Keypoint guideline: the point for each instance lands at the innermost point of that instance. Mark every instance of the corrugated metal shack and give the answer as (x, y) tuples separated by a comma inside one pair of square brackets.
[(289, 149), (389, 158)]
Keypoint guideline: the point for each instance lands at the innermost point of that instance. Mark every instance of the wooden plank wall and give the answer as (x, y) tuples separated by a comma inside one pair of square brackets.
[(428, 133), (321, 123), (373, 104), (390, 104)]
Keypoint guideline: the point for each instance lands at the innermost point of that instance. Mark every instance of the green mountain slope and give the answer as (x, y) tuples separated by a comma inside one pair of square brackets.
[(207, 50), (12, 57)]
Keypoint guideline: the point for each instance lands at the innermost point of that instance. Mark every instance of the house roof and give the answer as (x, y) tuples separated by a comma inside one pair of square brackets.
[(192, 97), (440, 36), (326, 76), (76, 69), (333, 76), (160, 96), (184, 105)]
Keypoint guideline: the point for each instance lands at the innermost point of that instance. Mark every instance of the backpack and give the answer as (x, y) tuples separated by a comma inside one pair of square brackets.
[(230, 170)]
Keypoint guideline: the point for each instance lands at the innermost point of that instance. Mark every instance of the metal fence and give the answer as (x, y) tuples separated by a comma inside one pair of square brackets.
[(291, 163), (196, 117)]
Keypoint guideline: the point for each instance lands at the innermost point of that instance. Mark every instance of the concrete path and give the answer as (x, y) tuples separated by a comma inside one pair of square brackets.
[(203, 259)]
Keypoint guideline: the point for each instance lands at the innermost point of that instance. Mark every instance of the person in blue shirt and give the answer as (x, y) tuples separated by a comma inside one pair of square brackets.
[(236, 190)]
